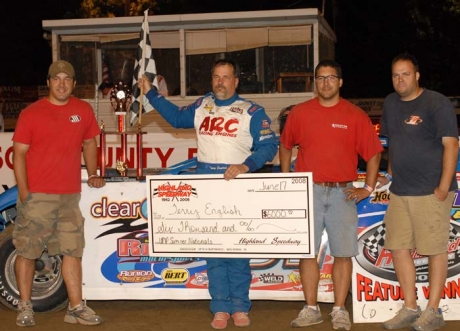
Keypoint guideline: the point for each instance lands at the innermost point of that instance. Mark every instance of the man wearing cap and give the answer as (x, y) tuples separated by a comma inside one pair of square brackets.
[(48, 140)]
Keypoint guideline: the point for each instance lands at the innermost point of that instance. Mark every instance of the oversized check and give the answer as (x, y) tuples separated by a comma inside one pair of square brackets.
[(254, 215)]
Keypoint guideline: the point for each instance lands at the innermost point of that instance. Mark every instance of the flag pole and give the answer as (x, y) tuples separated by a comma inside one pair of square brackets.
[(141, 72)]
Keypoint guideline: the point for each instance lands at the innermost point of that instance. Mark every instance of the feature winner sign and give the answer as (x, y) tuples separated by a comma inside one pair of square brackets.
[(377, 295)]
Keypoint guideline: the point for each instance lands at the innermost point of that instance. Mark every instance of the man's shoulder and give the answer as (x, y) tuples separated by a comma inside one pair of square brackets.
[(350, 105), (76, 101), (80, 106), (245, 105), (305, 105), (33, 107), (391, 98), (434, 95), (308, 103), (207, 99)]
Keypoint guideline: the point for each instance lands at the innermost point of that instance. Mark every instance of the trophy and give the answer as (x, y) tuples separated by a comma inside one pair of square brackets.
[(120, 99)]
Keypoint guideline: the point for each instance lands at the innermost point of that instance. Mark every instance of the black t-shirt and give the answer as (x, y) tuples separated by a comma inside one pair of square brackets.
[(415, 129)]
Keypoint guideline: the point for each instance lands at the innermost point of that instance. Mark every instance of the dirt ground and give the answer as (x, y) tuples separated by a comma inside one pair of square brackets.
[(182, 315)]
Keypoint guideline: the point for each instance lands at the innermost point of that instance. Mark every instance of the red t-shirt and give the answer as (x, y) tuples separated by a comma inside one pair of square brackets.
[(330, 139), (55, 135)]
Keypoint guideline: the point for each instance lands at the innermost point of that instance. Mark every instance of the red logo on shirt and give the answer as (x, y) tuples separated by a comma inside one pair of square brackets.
[(413, 120), (218, 124)]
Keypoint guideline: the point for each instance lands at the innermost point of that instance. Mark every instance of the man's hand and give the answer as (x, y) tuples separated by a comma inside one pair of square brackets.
[(382, 181), (96, 182), (357, 194), (440, 194), (23, 195), (144, 84), (234, 170)]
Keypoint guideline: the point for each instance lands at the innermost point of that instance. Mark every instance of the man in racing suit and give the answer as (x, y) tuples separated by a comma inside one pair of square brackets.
[(234, 137)]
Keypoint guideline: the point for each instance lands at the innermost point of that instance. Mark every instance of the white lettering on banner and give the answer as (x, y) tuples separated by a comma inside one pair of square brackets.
[(368, 289), (106, 209), (132, 247)]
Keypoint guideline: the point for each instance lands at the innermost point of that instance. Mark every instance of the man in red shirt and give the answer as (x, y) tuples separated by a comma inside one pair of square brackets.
[(330, 133), (47, 147)]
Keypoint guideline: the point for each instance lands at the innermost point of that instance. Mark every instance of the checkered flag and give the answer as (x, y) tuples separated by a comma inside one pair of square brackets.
[(105, 70), (375, 241), (144, 64)]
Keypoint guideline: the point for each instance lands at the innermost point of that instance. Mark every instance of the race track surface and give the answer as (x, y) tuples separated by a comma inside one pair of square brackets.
[(181, 316)]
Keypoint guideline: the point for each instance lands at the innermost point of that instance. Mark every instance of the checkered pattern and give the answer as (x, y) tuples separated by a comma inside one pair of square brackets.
[(105, 70), (375, 242), (144, 64), (453, 233)]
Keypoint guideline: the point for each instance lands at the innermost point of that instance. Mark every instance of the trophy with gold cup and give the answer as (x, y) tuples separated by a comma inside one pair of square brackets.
[(120, 99)]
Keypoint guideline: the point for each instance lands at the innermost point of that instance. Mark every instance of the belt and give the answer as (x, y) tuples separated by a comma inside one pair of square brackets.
[(332, 184)]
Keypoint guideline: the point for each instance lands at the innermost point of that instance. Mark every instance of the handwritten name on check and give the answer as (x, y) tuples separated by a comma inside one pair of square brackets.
[(253, 215)]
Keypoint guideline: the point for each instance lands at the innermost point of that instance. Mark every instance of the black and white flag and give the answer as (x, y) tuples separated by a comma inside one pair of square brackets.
[(144, 64)]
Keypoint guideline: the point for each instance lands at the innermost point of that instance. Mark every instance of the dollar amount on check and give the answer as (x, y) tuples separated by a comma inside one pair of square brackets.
[(253, 215)]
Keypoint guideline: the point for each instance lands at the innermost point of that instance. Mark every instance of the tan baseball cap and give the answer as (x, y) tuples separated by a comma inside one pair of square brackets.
[(61, 66)]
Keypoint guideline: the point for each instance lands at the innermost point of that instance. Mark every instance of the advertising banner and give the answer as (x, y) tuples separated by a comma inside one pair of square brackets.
[(117, 264), (160, 150), (376, 293)]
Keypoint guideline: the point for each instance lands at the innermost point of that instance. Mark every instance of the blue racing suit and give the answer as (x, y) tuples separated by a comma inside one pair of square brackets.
[(232, 131)]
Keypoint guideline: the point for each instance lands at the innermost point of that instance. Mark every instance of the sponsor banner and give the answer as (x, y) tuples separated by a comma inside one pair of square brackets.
[(160, 150), (117, 265), (376, 293)]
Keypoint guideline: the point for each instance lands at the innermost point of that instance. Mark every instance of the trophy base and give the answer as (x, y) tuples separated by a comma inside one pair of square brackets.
[(112, 175), (118, 179)]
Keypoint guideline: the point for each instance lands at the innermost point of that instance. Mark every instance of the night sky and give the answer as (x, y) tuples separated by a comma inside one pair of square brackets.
[(369, 35)]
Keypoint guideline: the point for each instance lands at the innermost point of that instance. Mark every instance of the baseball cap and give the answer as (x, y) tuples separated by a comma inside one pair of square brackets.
[(61, 66)]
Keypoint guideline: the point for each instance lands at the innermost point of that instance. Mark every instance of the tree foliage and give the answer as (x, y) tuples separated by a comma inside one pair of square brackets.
[(435, 33), (453, 6), (369, 36), (117, 8)]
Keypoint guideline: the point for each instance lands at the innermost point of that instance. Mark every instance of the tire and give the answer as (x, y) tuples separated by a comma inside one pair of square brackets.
[(48, 292)]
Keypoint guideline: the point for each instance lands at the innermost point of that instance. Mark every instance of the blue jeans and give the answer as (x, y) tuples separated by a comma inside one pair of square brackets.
[(340, 219), (229, 282)]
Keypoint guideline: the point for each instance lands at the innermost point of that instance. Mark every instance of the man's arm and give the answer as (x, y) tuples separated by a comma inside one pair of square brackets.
[(449, 166), (372, 170), (20, 169), (285, 156), (177, 117), (90, 157), (264, 144), (384, 180)]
